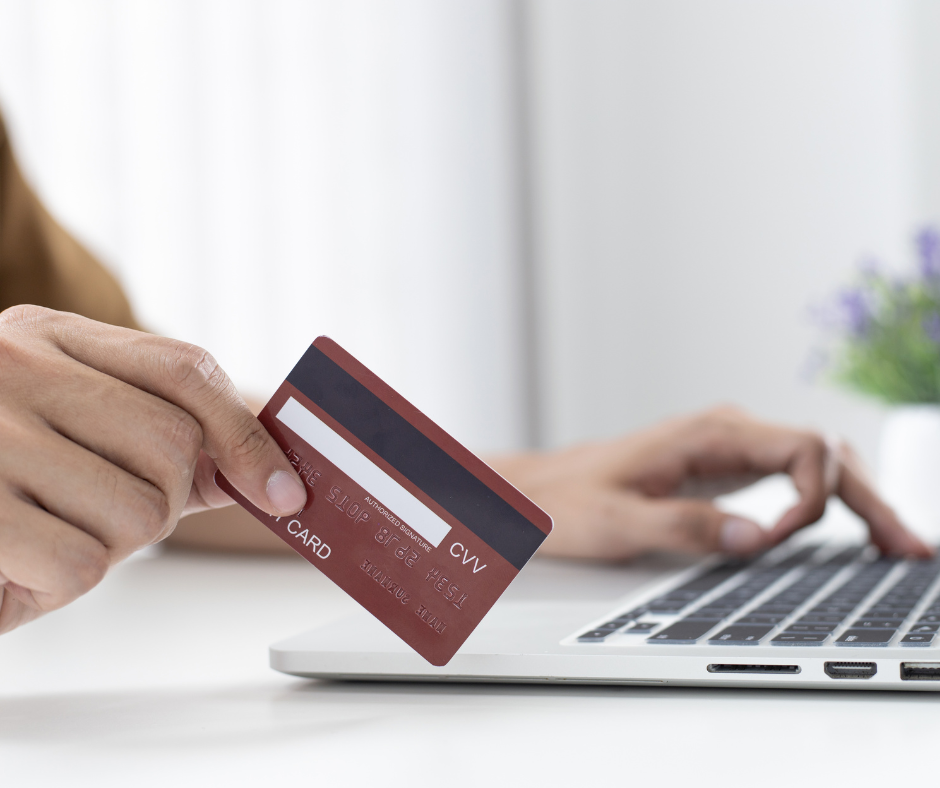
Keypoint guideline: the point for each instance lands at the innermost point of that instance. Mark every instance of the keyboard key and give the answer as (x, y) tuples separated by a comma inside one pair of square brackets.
[(917, 640), (712, 612), (877, 612), (822, 618), (666, 606), (798, 627), (876, 623), (757, 618), (923, 628), (710, 580), (641, 628), (609, 626), (683, 632), (799, 557), (684, 593), (865, 637), (799, 639), (903, 599), (845, 557), (848, 601), (730, 604), (741, 635), (621, 621), (594, 637), (791, 596), (741, 592), (843, 609)]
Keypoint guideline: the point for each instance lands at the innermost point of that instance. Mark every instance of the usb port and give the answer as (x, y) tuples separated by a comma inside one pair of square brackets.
[(851, 670), (920, 671)]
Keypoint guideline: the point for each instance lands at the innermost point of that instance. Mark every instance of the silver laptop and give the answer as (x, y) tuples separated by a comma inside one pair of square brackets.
[(823, 616)]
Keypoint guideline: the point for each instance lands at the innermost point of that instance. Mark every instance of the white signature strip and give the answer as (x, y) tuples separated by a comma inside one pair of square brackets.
[(363, 471)]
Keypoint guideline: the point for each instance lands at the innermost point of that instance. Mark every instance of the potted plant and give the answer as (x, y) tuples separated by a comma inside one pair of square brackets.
[(885, 343)]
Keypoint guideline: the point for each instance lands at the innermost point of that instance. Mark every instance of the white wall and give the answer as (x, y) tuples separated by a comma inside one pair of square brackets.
[(259, 173), (924, 53), (704, 173)]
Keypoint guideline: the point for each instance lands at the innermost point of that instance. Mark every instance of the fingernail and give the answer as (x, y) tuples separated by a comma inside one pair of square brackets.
[(3, 579), (741, 536), (286, 492)]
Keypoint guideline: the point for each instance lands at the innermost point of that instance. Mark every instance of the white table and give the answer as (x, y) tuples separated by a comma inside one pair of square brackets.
[(160, 677)]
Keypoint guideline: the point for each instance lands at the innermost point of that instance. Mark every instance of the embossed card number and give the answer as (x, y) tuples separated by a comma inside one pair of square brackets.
[(416, 528)]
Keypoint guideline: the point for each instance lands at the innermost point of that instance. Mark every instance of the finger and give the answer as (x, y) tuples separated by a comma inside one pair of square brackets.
[(808, 470), (205, 493), (144, 435), (699, 527), (190, 378), (714, 487), (887, 531), (618, 526), (728, 439), (50, 560), (13, 612), (832, 466), (700, 454), (118, 509)]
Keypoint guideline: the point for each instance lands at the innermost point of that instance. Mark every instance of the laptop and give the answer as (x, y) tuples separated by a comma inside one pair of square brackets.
[(817, 615)]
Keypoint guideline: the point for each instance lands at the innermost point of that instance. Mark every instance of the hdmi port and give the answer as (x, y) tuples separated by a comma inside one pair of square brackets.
[(920, 671), (725, 668), (851, 670)]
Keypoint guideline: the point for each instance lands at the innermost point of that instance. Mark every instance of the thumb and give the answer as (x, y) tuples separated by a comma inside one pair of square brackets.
[(699, 527)]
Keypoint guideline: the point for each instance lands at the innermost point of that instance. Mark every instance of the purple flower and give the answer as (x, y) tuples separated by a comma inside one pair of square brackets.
[(928, 247), (855, 310), (932, 326), (851, 311)]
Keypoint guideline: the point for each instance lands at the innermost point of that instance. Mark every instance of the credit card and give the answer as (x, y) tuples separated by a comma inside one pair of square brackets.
[(408, 522)]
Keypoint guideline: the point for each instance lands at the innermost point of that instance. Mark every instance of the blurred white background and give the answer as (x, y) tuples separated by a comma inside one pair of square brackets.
[(541, 221)]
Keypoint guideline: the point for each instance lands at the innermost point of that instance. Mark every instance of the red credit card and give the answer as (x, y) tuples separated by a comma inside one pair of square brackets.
[(412, 525)]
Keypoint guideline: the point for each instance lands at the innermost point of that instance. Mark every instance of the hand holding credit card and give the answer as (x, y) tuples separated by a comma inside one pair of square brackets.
[(412, 525)]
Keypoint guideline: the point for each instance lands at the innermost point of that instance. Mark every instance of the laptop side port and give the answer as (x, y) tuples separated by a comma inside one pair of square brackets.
[(920, 671), (774, 669), (851, 670)]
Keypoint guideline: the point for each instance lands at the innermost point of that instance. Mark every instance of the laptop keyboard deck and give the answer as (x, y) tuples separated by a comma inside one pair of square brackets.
[(850, 598)]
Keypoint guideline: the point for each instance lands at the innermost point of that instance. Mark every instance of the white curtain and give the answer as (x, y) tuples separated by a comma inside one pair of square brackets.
[(258, 173)]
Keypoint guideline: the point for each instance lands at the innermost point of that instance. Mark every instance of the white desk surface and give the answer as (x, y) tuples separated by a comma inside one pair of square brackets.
[(160, 677)]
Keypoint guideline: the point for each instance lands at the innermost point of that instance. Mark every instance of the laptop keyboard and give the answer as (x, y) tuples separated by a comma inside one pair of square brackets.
[(718, 607)]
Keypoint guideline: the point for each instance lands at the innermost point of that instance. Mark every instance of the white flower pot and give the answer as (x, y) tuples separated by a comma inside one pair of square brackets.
[(909, 466)]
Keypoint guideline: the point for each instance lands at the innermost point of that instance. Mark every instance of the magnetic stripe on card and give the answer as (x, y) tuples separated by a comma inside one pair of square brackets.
[(416, 457)]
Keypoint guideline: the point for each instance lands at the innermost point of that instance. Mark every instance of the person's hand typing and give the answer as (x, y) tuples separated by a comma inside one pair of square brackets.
[(651, 490), (107, 436)]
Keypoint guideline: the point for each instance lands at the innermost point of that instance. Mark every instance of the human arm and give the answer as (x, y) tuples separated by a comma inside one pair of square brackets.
[(108, 436), (619, 499)]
